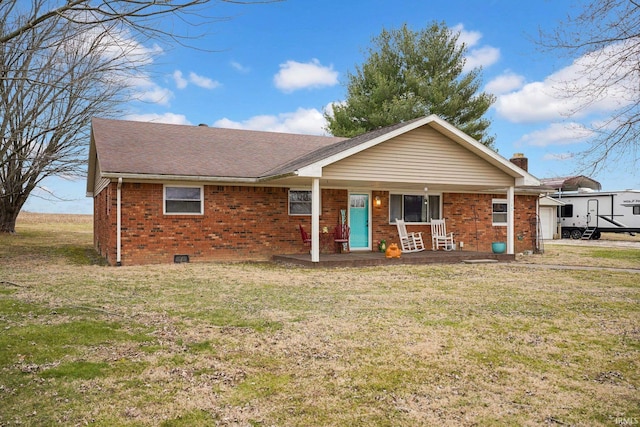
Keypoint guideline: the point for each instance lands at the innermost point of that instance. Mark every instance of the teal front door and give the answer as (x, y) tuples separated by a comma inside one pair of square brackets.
[(359, 221)]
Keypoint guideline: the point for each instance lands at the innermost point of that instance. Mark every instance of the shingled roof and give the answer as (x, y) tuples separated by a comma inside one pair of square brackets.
[(141, 148), (157, 151)]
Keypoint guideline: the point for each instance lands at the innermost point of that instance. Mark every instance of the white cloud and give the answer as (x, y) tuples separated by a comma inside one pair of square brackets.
[(297, 75), (560, 95), (239, 67), (153, 94), (557, 134), (482, 56), (170, 118), (181, 82), (124, 57), (505, 83), (196, 79), (302, 121), (470, 38), (203, 82)]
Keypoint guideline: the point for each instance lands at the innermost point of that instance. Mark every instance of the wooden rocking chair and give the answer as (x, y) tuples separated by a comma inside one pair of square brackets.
[(409, 242), (439, 236)]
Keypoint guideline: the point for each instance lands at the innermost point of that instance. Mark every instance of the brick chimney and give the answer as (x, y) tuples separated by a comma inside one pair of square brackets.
[(521, 161)]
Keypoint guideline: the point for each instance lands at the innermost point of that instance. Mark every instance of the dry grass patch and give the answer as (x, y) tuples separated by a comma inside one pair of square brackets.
[(258, 344)]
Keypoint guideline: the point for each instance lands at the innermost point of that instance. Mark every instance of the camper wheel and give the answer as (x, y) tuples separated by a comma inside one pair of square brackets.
[(576, 234), (566, 233)]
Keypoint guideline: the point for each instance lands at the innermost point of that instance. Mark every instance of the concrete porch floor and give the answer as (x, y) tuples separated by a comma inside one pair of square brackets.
[(370, 258)]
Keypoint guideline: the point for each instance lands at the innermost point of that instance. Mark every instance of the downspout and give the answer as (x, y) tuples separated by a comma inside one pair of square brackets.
[(510, 220), (119, 223)]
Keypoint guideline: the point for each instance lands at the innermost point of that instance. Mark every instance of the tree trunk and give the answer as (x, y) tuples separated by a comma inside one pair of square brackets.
[(10, 207), (8, 219)]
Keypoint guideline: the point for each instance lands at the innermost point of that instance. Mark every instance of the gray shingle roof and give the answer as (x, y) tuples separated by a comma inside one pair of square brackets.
[(165, 149)]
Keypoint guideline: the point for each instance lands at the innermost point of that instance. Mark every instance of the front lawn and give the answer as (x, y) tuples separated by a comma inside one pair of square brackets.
[(262, 345)]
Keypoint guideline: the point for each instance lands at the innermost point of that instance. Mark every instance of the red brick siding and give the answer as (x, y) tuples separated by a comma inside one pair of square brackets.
[(252, 223), (470, 215), (239, 223), (458, 210)]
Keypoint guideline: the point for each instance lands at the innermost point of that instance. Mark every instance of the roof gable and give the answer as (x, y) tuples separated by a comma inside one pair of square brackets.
[(339, 151)]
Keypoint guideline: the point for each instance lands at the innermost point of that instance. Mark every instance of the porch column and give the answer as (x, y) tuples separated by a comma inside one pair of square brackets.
[(315, 220), (510, 220)]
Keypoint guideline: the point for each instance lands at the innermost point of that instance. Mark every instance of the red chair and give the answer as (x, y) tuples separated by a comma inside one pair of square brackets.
[(306, 239), (341, 237)]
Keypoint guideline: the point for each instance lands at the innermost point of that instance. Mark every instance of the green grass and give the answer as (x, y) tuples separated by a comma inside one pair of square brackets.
[(262, 345)]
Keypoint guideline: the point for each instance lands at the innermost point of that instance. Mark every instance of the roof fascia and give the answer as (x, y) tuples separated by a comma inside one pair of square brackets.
[(91, 170), (158, 177)]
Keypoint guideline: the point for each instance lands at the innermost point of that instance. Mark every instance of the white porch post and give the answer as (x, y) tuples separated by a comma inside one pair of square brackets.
[(315, 220), (510, 220)]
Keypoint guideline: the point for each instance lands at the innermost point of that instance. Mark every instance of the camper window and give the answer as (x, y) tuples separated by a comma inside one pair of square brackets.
[(566, 211), (636, 210)]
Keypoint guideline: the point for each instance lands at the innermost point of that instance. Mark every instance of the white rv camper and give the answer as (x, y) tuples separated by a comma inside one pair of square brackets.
[(587, 213)]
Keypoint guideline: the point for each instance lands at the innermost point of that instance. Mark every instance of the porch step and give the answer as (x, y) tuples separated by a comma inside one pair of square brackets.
[(588, 232), (479, 261)]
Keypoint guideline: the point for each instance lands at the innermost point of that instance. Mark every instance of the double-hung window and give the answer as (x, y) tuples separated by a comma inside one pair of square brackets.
[(499, 212), (299, 202), (183, 200), (413, 208)]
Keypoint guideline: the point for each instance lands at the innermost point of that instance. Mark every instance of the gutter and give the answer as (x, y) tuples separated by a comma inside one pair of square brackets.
[(119, 223), (195, 178)]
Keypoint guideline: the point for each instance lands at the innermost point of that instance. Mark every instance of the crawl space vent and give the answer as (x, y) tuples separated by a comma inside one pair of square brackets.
[(178, 259)]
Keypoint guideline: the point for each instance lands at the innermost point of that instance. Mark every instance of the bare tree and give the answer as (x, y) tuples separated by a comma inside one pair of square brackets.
[(60, 66), (605, 35)]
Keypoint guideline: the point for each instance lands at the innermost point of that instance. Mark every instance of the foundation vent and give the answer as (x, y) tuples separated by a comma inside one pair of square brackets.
[(179, 259)]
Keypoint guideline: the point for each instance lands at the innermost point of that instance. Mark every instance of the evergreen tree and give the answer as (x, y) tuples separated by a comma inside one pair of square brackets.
[(409, 74)]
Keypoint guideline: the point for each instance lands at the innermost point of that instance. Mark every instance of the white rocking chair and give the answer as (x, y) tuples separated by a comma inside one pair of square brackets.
[(439, 236), (409, 242)]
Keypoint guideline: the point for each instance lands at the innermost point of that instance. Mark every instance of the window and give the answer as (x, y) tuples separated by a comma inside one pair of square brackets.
[(413, 208), (183, 200), (499, 212), (636, 210), (299, 202), (566, 211)]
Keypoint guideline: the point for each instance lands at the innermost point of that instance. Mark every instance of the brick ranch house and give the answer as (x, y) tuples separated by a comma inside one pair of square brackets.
[(162, 192)]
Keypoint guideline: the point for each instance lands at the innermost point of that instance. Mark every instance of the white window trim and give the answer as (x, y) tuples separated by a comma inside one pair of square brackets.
[(289, 201), (500, 224), (408, 193), (164, 199)]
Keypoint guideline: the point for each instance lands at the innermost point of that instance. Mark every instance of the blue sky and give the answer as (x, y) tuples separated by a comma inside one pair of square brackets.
[(276, 67)]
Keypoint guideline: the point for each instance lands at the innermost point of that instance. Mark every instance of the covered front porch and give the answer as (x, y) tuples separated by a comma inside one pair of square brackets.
[(375, 258)]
